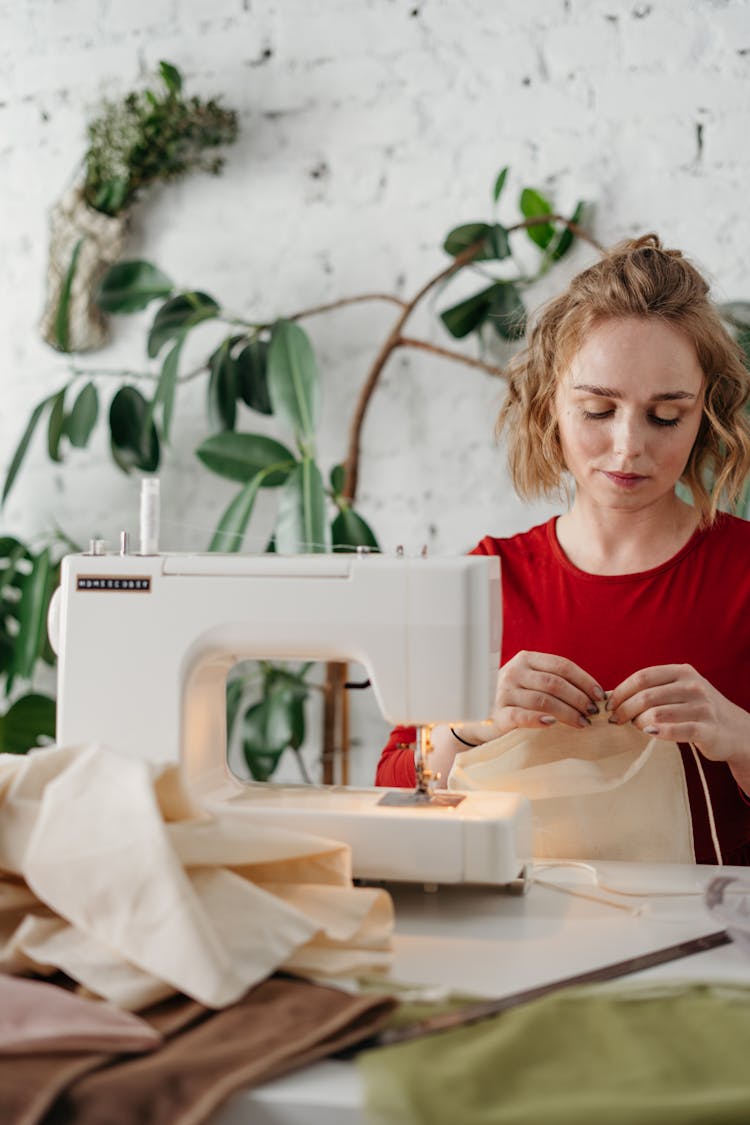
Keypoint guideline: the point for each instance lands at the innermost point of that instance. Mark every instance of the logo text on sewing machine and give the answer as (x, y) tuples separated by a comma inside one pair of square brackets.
[(124, 583)]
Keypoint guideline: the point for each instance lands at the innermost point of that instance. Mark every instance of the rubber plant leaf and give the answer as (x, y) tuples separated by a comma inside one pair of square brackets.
[(301, 519), (469, 314), (128, 287), (564, 240), (23, 445), (252, 376), (293, 381), (56, 426), (32, 617), (230, 530), (134, 439), (222, 387), (533, 205), (62, 313), (81, 420), (240, 456), (177, 316), (349, 531), (29, 720), (507, 312)]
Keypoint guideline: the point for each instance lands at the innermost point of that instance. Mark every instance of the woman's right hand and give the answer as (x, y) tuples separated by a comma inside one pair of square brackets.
[(537, 689)]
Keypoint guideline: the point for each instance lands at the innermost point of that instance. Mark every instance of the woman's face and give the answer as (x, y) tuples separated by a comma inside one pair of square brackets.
[(628, 408)]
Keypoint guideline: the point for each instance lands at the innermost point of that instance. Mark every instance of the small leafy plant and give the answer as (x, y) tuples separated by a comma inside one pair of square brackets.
[(152, 135)]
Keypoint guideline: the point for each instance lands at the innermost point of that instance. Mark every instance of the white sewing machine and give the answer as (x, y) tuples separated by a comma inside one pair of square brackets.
[(145, 642)]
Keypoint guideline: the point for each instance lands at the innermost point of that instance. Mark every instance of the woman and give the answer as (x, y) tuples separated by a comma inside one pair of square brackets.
[(630, 384)]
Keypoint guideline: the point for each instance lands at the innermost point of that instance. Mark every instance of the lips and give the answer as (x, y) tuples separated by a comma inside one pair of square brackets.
[(624, 480)]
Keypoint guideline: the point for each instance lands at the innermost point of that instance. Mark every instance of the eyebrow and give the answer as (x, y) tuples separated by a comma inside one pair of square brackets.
[(608, 392)]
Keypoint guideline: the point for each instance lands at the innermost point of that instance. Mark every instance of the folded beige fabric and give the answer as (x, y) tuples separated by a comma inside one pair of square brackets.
[(137, 894)]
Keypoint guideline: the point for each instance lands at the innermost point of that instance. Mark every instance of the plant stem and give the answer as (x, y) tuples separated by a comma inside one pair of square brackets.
[(394, 337), (447, 353)]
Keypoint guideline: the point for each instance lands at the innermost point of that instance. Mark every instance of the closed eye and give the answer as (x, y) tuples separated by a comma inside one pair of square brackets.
[(655, 419)]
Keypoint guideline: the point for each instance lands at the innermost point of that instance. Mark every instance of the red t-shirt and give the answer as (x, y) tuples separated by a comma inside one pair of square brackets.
[(693, 609)]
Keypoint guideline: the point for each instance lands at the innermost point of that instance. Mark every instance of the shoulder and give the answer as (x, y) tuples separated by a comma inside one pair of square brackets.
[(728, 533), (523, 545)]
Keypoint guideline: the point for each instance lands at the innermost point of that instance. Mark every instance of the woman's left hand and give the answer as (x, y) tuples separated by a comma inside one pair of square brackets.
[(676, 703)]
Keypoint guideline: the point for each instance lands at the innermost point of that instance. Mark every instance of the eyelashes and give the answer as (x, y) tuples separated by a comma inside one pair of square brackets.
[(599, 416)]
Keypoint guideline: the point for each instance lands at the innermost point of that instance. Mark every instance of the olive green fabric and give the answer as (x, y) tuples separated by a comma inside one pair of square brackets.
[(676, 1055)]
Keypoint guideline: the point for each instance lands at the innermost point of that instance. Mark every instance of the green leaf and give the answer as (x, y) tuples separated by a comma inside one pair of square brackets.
[(469, 314), (80, 423), (349, 531), (177, 316), (36, 590), (222, 387), (240, 456), (507, 312), (461, 238), (337, 478), (56, 425), (130, 286), (62, 313), (500, 183), (270, 727), (300, 522), (494, 248), (171, 76), (252, 375), (134, 440), (293, 380), (533, 205), (565, 238), (23, 445), (230, 530), (31, 718), (167, 386)]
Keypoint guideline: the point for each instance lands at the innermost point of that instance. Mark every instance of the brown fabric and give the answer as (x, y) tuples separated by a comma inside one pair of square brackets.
[(280, 1024)]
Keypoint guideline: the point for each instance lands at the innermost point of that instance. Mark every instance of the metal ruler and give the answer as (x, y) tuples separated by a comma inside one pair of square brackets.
[(472, 1013)]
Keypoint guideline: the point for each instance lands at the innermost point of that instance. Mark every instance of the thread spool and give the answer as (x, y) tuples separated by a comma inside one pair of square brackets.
[(150, 514)]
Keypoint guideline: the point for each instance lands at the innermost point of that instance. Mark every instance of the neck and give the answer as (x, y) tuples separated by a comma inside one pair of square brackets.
[(613, 541)]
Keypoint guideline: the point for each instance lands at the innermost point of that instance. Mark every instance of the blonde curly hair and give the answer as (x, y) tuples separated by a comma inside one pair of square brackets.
[(637, 278)]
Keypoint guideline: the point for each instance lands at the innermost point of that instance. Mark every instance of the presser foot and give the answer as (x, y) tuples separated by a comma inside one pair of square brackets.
[(420, 798)]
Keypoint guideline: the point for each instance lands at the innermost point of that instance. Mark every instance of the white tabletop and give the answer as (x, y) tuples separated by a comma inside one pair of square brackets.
[(491, 943)]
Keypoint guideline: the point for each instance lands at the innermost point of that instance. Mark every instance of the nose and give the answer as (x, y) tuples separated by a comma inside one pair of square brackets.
[(629, 436)]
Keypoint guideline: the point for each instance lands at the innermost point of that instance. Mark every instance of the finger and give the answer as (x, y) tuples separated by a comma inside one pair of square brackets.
[(542, 703), (517, 717), (565, 670), (644, 680)]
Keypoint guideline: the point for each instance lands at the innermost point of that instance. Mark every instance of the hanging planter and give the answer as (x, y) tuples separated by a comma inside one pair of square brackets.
[(146, 137), (84, 243)]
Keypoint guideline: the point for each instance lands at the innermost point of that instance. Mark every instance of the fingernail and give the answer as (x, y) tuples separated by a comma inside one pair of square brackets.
[(592, 710), (583, 721), (599, 692), (548, 720), (614, 722), (651, 730)]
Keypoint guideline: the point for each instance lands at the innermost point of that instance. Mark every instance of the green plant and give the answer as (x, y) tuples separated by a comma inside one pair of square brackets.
[(269, 368), (151, 135)]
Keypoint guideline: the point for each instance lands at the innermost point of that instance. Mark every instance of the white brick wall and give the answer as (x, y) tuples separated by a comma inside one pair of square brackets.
[(369, 128)]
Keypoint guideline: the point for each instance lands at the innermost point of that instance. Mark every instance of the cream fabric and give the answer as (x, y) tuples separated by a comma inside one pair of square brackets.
[(606, 792), (133, 892)]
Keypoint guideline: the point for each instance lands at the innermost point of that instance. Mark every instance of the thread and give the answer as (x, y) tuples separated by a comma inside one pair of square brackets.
[(150, 514)]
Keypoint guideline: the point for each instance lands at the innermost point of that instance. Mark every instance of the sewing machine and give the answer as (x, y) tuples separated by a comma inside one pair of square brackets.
[(145, 642)]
